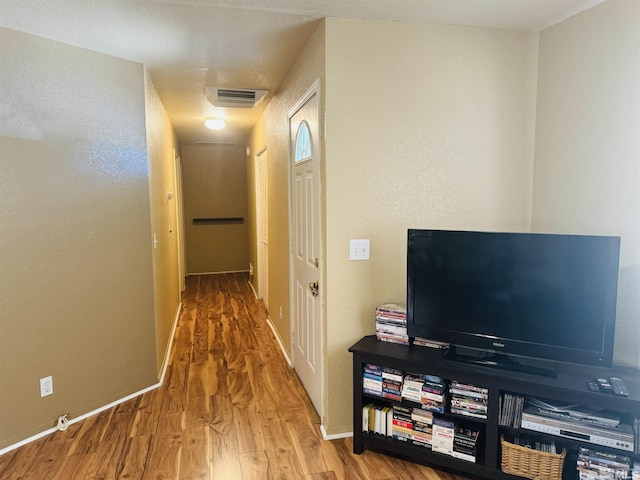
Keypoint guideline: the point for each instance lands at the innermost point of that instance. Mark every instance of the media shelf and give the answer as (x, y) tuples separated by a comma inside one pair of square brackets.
[(568, 386)]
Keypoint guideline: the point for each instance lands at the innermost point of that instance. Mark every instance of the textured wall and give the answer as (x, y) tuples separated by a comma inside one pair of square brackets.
[(215, 185), (76, 283), (161, 145), (587, 150), (427, 126)]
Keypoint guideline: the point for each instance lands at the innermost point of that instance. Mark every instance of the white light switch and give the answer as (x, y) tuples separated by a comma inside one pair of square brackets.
[(359, 249)]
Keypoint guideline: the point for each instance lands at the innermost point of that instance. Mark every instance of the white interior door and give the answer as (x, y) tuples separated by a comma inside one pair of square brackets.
[(262, 230), (307, 289), (182, 260)]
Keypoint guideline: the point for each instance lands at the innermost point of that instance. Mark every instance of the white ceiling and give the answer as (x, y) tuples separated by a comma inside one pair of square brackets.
[(189, 44)]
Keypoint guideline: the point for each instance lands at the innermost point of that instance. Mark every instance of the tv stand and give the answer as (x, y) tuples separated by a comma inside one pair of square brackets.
[(499, 360), (569, 386)]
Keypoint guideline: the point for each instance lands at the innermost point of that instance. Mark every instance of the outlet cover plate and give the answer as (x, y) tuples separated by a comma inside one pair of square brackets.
[(46, 386)]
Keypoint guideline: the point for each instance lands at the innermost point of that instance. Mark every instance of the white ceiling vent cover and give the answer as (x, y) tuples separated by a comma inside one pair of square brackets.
[(235, 97)]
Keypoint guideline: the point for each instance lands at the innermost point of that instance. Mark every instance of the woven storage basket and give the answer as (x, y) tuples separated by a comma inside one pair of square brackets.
[(531, 463)]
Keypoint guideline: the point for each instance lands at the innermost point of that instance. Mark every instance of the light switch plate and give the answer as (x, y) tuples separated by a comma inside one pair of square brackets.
[(359, 249)]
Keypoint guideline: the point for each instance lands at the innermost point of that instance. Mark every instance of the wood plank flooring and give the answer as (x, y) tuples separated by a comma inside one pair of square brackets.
[(230, 408)]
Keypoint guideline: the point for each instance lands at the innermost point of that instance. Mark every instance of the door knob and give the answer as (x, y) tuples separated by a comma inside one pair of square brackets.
[(313, 286)]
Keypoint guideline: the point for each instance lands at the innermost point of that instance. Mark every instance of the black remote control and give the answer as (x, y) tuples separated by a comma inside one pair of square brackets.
[(605, 386), (593, 386), (619, 388)]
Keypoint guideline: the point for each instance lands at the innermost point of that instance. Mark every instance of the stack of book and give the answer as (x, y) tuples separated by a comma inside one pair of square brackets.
[(422, 434), (465, 441), (510, 413), (376, 419), (402, 424), (596, 465), (391, 323), (468, 400), (392, 383), (412, 387), (412, 425), (372, 380)]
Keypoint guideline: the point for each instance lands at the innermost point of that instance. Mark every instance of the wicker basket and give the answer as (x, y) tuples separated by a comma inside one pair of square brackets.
[(531, 463)]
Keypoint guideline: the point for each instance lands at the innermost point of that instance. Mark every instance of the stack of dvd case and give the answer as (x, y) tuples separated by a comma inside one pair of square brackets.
[(510, 414), (465, 442), (392, 383), (469, 400), (427, 390), (372, 380), (636, 429), (391, 323), (595, 465)]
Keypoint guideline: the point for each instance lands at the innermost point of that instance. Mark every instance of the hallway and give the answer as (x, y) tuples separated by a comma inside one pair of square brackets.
[(230, 408)]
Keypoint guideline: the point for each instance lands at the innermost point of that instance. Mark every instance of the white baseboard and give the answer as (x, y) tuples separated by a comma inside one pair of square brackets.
[(167, 354), (255, 294), (335, 436), (79, 419), (115, 403), (275, 334)]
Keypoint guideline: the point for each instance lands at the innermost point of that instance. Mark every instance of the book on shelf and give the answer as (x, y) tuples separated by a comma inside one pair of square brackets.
[(375, 419)]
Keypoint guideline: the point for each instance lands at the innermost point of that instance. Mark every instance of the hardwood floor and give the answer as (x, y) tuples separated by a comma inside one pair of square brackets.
[(230, 408)]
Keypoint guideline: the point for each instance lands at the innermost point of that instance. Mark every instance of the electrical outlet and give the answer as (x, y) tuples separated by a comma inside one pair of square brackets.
[(46, 386)]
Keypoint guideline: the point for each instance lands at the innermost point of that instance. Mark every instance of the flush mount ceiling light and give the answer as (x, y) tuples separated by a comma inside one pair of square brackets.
[(214, 123)]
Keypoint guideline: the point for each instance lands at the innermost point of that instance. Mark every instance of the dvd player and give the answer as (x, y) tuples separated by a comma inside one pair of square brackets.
[(620, 437)]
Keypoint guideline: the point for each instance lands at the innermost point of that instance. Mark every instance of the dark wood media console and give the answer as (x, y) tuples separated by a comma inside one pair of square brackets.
[(568, 386)]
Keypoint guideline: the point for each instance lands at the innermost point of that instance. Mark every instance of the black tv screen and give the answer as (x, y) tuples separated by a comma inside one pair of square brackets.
[(544, 296)]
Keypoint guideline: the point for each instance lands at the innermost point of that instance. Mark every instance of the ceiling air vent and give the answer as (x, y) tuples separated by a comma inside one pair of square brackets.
[(235, 97)]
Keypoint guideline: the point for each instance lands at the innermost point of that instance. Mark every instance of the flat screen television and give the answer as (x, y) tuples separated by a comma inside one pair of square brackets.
[(548, 297)]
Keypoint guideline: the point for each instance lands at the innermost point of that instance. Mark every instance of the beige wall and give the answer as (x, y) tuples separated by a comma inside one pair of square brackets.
[(162, 142), (272, 133), (215, 186), (427, 126), (587, 151), (76, 281)]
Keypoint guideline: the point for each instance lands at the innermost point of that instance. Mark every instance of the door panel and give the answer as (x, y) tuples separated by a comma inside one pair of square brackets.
[(306, 266)]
